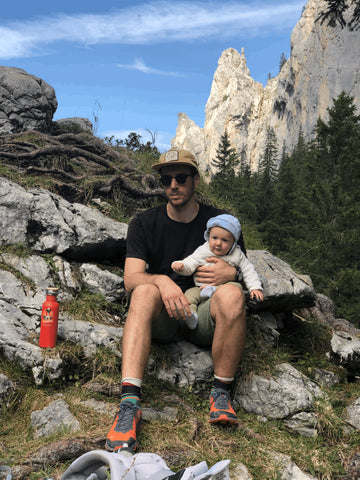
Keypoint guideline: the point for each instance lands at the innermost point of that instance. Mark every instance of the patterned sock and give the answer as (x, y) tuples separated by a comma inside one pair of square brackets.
[(130, 393), (220, 383)]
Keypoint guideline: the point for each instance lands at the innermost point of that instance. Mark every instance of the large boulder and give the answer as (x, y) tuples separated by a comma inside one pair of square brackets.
[(286, 393), (26, 101), (47, 223), (284, 290)]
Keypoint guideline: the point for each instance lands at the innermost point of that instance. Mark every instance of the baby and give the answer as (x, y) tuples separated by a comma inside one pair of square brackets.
[(221, 235)]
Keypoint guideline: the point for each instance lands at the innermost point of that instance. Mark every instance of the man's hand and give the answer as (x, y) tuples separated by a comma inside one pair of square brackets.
[(175, 302), (217, 274)]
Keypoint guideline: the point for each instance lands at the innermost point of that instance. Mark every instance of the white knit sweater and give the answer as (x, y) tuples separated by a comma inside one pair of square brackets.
[(236, 258)]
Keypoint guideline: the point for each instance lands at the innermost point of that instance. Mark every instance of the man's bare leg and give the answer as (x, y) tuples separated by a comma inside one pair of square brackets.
[(145, 306), (228, 311)]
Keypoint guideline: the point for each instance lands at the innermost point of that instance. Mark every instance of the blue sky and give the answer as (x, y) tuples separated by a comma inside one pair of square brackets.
[(136, 64)]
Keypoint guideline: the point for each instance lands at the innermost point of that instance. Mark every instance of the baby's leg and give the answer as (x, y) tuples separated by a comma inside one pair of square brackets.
[(193, 295)]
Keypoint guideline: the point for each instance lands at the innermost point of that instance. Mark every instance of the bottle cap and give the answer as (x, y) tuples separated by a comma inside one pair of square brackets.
[(52, 291)]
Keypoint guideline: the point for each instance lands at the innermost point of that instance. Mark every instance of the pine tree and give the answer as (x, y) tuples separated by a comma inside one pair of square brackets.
[(226, 161), (280, 229), (266, 177), (282, 61), (243, 201), (328, 205)]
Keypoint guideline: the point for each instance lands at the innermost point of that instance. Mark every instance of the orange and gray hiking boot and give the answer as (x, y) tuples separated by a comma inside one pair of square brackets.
[(127, 423), (221, 410)]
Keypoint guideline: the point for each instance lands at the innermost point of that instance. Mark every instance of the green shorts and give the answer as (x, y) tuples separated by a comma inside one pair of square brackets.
[(166, 329)]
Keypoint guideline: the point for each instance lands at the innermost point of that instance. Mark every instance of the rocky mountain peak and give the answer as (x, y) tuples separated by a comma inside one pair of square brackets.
[(324, 61)]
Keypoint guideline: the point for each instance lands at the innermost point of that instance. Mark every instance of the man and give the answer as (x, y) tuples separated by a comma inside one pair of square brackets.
[(158, 305)]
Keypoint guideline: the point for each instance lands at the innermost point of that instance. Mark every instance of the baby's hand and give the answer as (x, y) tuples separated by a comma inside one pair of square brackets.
[(258, 294), (177, 266)]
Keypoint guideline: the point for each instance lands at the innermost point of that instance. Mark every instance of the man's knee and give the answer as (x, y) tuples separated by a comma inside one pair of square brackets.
[(146, 297), (147, 291), (229, 299)]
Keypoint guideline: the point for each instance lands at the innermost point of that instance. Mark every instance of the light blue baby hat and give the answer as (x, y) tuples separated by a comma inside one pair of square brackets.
[(228, 222)]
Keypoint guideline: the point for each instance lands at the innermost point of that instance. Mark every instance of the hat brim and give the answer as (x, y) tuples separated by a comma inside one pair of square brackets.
[(158, 166)]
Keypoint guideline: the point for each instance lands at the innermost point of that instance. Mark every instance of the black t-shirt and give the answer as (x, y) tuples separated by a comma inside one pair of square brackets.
[(159, 240)]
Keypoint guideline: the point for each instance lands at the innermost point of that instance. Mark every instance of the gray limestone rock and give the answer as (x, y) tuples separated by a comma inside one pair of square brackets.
[(18, 343), (283, 288), (284, 394), (67, 275), (53, 418), (346, 350), (304, 423), (48, 223), (100, 281), (25, 285), (326, 378), (190, 365), (83, 123), (26, 102), (6, 389), (289, 470), (90, 335), (352, 414)]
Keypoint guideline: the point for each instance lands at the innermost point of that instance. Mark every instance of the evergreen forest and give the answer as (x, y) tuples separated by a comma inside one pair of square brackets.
[(305, 205)]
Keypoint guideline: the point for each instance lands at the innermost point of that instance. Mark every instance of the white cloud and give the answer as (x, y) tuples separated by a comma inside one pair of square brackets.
[(140, 66), (153, 22)]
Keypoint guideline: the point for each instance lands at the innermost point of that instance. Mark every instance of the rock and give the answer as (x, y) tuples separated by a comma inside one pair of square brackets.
[(102, 282), (283, 288), (168, 414), (15, 286), (76, 122), (68, 279), (89, 335), (6, 389), (240, 472), (286, 393), (190, 365), (268, 325), (303, 423), (289, 470), (352, 467), (352, 414), (326, 378), (346, 351), (48, 223), (323, 62), (26, 102), (15, 345), (53, 418), (101, 407)]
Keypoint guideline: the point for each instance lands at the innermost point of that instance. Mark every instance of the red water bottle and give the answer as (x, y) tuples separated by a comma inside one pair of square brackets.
[(49, 319)]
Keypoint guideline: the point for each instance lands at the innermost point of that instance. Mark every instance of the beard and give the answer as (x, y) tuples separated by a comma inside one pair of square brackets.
[(179, 198)]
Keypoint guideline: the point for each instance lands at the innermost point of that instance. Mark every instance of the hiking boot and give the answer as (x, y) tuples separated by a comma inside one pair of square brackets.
[(127, 423), (221, 410)]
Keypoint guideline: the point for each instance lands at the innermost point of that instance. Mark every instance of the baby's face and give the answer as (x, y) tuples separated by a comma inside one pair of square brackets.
[(220, 241)]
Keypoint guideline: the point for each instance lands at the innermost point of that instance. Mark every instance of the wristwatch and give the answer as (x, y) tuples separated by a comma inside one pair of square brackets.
[(239, 274)]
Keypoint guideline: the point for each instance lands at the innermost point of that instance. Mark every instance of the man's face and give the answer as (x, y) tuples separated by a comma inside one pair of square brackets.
[(179, 194)]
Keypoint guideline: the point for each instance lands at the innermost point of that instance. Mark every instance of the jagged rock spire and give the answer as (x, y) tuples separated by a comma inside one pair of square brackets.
[(323, 62)]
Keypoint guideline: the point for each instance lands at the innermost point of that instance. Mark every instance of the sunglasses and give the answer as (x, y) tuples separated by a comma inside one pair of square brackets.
[(180, 179)]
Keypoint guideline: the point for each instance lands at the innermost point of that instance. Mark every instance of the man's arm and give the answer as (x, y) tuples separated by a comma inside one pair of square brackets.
[(175, 302)]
